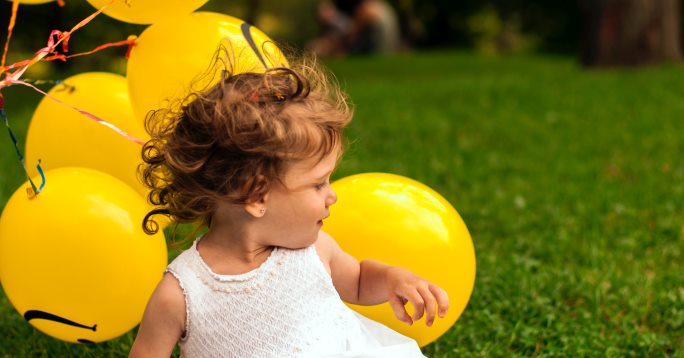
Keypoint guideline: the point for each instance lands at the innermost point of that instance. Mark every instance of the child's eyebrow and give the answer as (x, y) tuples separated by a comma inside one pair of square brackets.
[(324, 176)]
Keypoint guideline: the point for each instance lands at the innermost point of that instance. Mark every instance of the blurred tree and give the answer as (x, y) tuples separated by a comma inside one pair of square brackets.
[(435, 23), (497, 32), (551, 26), (252, 11), (630, 32)]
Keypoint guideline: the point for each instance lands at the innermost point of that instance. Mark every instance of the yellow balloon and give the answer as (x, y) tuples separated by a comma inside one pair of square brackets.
[(33, 2), (171, 59), (74, 260), (147, 11), (402, 222), (61, 137)]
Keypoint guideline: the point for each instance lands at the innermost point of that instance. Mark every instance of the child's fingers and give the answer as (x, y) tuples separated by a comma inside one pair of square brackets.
[(417, 302), (430, 305), (442, 298), (397, 305)]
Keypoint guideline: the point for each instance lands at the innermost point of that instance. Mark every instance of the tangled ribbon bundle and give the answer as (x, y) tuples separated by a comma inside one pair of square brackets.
[(12, 76)]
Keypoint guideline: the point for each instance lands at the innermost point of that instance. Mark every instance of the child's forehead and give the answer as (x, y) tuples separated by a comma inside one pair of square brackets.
[(314, 167)]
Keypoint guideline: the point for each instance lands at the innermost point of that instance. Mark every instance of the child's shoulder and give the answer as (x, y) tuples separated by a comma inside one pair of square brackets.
[(167, 304), (326, 247), (323, 244), (169, 293)]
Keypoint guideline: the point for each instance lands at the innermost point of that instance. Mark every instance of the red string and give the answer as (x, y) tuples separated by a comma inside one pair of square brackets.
[(130, 41)]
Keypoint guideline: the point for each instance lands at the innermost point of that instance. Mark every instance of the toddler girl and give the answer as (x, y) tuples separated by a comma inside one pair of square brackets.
[(251, 159)]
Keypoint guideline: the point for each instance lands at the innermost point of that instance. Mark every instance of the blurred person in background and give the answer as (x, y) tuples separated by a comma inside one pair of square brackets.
[(356, 27)]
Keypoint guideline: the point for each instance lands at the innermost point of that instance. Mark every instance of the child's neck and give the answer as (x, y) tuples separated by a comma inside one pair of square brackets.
[(231, 250)]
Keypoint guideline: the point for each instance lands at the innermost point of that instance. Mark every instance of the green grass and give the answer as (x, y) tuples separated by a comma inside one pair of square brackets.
[(570, 181)]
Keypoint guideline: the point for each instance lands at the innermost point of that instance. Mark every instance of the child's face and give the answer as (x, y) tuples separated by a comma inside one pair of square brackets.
[(295, 210)]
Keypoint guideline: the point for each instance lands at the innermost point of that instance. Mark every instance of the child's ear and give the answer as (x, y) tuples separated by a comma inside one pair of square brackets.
[(257, 208), (256, 204)]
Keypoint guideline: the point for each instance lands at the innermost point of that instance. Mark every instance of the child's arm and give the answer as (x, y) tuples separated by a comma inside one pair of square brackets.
[(372, 282), (163, 321)]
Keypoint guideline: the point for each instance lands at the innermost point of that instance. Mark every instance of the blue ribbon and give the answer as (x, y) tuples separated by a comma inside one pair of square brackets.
[(36, 190)]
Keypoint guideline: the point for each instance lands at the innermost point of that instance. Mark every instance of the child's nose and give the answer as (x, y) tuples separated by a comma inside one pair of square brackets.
[(331, 199)]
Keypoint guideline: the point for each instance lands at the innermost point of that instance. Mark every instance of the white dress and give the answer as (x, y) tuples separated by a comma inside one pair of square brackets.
[(288, 307)]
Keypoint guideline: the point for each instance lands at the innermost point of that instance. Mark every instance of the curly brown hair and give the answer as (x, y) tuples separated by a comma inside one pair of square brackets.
[(232, 141)]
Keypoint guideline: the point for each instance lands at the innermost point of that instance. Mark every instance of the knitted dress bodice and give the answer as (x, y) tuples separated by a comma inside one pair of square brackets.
[(287, 307)]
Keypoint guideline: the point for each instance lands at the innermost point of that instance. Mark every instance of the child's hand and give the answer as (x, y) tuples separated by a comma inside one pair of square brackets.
[(405, 286)]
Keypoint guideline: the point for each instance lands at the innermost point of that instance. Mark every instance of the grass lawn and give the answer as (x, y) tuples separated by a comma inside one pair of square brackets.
[(570, 181)]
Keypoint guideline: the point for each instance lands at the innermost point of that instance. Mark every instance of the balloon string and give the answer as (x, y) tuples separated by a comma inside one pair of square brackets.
[(85, 113), (33, 190), (130, 41), (56, 38), (39, 55), (44, 82), (10, 27)]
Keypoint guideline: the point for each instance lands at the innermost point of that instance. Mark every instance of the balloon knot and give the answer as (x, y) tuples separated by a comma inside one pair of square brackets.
[(30, 193), (131, 42)]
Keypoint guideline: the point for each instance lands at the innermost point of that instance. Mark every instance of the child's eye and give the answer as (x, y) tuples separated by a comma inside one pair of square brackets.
[(320, 186)]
